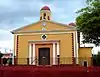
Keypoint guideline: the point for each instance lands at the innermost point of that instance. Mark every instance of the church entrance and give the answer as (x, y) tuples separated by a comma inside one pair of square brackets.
[(44, 56)]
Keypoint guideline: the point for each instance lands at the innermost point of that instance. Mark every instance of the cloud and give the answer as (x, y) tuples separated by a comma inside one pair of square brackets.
[(17, 13), (7, 44), (5, 35), (6, 39)]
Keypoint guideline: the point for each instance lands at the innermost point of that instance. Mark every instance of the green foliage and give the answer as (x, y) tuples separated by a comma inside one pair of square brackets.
[(90, 1), (98, 59), (88, 22)]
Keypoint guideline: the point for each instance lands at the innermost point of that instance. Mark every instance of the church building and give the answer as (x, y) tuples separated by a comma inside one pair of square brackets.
[(47, 42)]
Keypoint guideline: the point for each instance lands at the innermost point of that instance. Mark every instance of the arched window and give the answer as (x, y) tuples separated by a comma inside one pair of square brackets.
[(44, 15)]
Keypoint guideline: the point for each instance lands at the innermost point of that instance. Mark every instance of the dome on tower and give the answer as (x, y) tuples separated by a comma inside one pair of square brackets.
[(45, 8)]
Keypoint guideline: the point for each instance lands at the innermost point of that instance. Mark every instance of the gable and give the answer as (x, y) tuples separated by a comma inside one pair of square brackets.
[(38, 26)]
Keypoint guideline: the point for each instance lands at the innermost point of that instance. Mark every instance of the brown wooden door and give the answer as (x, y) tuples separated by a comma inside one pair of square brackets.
[(44, 56)]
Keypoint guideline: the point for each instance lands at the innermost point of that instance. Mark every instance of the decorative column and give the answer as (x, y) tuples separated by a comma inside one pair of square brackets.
[(77, 49), (58, 49), (16, 52), (58, 53), (54, 53), (34, 58), (15, 44), (30, 52)]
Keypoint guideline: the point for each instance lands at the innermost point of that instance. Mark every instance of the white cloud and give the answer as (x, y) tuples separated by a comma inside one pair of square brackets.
[(6, 3), (17, 13), (6, 46), (5, 35), (6, 39)]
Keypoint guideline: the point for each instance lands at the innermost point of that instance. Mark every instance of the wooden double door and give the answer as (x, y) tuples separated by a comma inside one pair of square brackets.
[(44, 56)]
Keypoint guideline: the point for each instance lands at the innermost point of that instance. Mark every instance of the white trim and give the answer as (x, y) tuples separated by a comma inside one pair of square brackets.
[(34, 54), (77, 61), (15, 44), (30, 51), (58, 49), (43, 41), (45, 33), (13, 58), (54, 54), (40, 31)]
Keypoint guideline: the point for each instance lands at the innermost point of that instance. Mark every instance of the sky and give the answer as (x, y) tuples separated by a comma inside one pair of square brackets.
[(17, 13)]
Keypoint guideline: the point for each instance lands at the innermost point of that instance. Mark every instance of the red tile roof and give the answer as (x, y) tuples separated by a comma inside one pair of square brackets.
[(45, 8), (72, 24)]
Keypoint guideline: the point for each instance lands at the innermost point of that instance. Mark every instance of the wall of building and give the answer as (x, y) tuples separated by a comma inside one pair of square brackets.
[(65, 46), (85, 54), (38, 26)]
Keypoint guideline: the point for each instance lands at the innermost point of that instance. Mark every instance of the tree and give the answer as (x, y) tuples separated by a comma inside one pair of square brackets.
[(1, 55), (88, 22), (94, 57), (89, 1), (98, 59)]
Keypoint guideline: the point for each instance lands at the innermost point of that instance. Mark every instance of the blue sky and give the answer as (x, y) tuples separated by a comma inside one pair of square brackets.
[(17, 13)]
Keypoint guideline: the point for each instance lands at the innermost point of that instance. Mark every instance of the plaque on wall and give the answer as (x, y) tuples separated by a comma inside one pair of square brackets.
[(43, 29), (44, 24)]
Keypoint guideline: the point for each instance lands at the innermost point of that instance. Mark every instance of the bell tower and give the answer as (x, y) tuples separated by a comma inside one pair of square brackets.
[(45, 13)]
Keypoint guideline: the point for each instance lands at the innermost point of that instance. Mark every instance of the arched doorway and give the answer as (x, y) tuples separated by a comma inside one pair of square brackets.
[(85, 64)]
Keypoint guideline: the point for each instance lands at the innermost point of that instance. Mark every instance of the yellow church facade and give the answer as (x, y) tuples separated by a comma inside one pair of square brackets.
[(50, 43)]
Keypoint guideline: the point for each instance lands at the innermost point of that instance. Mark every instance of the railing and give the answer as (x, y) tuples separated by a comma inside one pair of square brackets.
[(47, 61), (34, 60)]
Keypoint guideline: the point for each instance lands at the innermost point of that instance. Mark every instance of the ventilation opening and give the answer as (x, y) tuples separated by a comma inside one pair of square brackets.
[(40, 18), (48, 18), (44, 16)]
